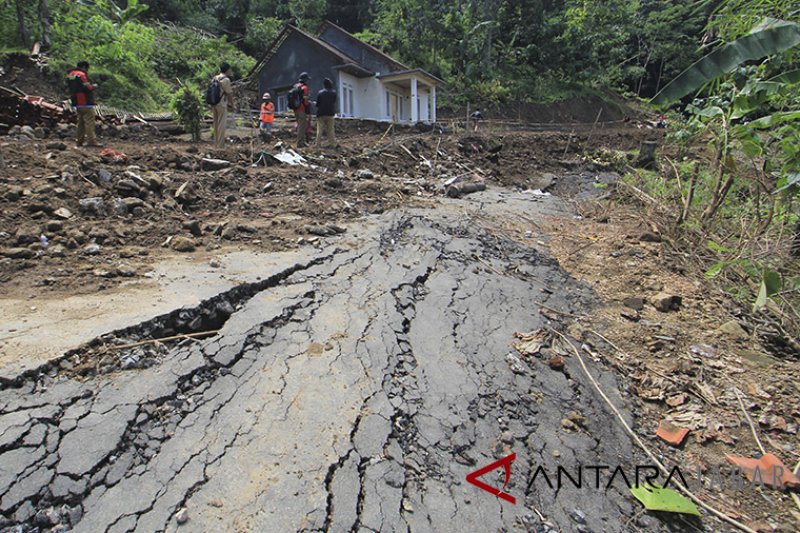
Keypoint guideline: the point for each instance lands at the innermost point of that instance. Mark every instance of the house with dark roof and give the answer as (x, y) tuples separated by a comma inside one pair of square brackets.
[(370, 84)]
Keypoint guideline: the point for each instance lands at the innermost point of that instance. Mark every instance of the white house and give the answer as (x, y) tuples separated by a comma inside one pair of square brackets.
[(370, 84)]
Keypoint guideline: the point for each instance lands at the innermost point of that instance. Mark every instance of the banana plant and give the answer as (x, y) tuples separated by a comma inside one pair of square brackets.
[(770, 37)]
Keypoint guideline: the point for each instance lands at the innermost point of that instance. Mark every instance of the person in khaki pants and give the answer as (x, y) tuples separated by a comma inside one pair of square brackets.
[(326, 109), (82, 96), (220, 110)]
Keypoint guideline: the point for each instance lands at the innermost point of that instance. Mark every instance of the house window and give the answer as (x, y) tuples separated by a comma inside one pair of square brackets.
[(347, 107), (281, 105)]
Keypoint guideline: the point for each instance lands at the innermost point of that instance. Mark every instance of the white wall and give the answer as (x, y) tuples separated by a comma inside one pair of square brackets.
[(369, 98)]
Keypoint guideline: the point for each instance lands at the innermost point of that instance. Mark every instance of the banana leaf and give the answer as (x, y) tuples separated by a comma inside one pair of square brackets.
[(770, 37)]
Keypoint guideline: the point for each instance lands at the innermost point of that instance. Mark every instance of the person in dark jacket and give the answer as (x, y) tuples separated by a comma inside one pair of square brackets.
[(82, 96), (326, 109)]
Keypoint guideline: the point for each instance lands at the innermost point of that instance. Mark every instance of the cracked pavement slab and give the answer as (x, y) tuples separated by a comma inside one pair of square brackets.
[(352, 391)]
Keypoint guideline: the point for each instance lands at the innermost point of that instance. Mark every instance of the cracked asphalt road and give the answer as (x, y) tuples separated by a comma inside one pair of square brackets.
[(353, 392)]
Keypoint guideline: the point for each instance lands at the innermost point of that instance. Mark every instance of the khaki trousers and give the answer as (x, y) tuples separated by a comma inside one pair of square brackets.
[(302, 125), (325, 128), (86, 125), (220, 113)]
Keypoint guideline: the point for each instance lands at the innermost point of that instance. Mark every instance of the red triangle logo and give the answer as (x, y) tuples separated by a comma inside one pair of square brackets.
[(505, 462)]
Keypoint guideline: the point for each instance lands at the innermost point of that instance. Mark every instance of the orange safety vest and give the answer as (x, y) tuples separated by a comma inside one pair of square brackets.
[(268, 112)]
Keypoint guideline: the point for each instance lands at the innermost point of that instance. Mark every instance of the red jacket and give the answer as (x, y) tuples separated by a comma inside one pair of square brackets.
[(81, 88)]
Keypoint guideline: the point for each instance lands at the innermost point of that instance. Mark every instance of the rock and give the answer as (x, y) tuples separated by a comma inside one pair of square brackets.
[(13, 194), (194, 227), (182, 244), (214, 263), (649, 237), (92, 249), (185, 193), (365, 174), (54, 225), (735, 330), (128, 188), (19, 253), (556, 362), (666, 302), (27, 131), (57, 251), (576, 418), (132, 203), (182, 516), (104, 175), (634, 303), (63, 212), (568, 424), (56, 146), (126, 271), (93, 206), (102, 273)]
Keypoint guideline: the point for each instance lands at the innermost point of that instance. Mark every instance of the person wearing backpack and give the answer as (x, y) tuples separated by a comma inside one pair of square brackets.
[(82, 96), (219, 96), (326, 109), (301, 105)]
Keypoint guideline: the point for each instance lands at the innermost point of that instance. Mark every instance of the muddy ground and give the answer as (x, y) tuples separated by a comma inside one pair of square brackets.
[(353, 383)]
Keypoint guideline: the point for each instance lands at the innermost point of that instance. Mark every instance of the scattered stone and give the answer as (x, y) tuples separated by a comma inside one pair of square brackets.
[(102, 273), (576, 418), (19, 253), (54, 225), (27, 131), (63, 212), (365, 174), (93, 206), (735, 330), (56, 146), (678, 399), (126, 271), (104, 175), (57, 251), (13, 194), (649, 237), (182, 244), (214, 263), (127, 188), (636, 304), (568, 424), (556, 362), (666, 302), (92, 249), (194, 227), (182, 516)]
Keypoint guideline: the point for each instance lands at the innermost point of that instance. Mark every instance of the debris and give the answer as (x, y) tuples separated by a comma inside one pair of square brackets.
[(454, 191), (290, 157), (324, 231), (531, 343), (109, 155), (63, 212), (662, 499), (208, 163), (649, 237), (666, 302), (768, 470), (671, 434), (678, 399), (365, 174), (93, 206)]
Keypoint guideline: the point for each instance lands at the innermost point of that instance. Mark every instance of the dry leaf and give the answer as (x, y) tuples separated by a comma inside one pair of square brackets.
[(671, 434), (531, 343), (678, 399), (768, 470)]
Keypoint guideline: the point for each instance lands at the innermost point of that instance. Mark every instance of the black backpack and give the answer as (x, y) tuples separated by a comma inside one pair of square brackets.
[(295, 97), (214, 92)]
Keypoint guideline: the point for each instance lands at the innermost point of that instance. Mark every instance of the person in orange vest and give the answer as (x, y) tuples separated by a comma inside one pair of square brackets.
[(267, 116), (82, 96)]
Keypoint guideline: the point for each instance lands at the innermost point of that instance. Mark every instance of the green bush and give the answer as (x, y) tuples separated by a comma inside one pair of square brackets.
[(120, 55), (193, 58), (186, 104)]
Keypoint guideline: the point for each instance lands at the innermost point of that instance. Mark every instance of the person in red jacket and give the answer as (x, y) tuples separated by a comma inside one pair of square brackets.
[(83, 100)]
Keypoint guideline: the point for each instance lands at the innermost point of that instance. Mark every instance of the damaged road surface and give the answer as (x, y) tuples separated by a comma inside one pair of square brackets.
[(351, 392)]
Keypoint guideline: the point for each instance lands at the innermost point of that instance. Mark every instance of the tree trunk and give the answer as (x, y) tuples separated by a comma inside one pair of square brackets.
[(796, 241), (44, 18), (23, 31)]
